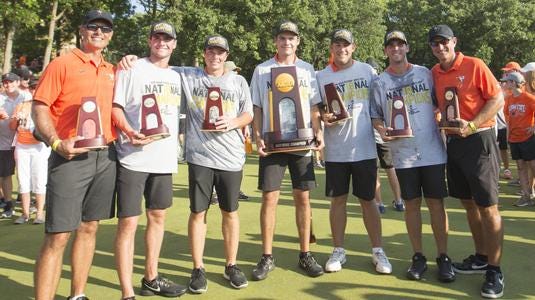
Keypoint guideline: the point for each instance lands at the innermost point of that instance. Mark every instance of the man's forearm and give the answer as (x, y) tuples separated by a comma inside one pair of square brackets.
[(257, 122), (43, 122), (489, 111)]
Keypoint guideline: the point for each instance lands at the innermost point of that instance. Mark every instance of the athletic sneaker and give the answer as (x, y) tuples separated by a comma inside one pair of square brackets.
[(7, 214), (242, 196), (399, 206), (507, 174), (308, 263), (38, 221), (470, 265), (418, 267), (493, 285), (381, 207), (382, 265), (445, 269), (235, 276), (514, 182), (336, 260), (264, 266), (161, 286), (197, 282), (21, 220), (2, 202), (83, 297), (524, 201)]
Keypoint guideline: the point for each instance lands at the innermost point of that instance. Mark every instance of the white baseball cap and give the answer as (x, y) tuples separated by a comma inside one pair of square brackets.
[(529, 67)]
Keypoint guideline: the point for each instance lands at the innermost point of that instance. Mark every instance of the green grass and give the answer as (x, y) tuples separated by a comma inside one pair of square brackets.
[(20, 244)]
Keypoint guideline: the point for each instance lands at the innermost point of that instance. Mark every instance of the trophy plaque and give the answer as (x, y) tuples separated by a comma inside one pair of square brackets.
[(288, 131), (335, 104), (151, 119), (399, 119), (450, 110), (89, 126), (213, 109)]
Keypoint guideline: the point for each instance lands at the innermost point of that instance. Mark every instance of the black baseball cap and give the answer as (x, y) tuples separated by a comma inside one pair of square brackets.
[(216, 41), (163, 27), (443, 31), (10, 77), (286, 26), (97, 14), (342, 35), (395, 35)]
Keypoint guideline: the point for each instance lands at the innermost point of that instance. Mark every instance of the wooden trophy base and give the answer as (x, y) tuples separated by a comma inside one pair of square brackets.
[(96, 143), (400, 133), (210, 127), (450, 125), (157, 133), (300, 140), (342, 119)]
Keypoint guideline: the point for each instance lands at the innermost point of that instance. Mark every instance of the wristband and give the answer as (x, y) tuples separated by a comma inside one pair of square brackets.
[(472, 127), (55, 144)]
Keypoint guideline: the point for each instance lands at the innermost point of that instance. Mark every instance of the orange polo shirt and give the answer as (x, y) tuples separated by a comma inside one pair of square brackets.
[(66, 80), (24, 135), (475, 85), (519, 112)]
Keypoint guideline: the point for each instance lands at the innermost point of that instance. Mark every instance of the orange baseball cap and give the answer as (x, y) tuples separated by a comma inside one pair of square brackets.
[(511, 66)]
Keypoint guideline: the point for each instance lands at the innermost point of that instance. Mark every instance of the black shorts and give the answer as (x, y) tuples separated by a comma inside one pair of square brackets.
[(271, 171), (202, 181), (429, 181), (473, 168), (524, 150), (363, 175), (384, 155), (80, 189), (133, 185), (7, 162), (502, 138)]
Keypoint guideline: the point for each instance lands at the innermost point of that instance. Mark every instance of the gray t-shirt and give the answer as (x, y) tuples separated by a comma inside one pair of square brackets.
[(217, 150), (261, 89), (416, 87), (8, 105), (144, 78), (352, 140)]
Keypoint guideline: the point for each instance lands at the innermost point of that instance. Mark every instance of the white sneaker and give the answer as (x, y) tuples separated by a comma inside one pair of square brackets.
[(336, 260), (382, 265)]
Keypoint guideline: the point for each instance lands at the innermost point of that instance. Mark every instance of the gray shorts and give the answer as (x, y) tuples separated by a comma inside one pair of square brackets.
[(202, 181), (7, 162), (80, 189), (272, 168), (132, 185)]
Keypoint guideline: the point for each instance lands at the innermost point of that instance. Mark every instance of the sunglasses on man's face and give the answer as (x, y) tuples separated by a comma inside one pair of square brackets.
[(443, 42), (95, 27)]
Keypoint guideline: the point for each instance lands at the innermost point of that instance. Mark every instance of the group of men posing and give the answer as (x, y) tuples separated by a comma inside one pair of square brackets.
[(82, 183)]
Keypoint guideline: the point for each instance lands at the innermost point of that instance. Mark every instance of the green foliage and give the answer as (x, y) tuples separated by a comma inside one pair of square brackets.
[(496, 31)]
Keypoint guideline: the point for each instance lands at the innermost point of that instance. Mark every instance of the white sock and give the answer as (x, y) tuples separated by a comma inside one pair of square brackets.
[(377, 249)]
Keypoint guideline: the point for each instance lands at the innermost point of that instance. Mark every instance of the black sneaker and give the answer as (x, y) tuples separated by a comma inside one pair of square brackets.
[(161, 286), (242, 196), (445, 269), (78, 298), (264, 266), (308, 263), (470, 265), (235, 276), (198, 283), (418, 267), (493, 285)]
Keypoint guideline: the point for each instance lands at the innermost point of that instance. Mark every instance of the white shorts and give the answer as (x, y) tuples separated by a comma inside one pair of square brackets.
[(32, 167)]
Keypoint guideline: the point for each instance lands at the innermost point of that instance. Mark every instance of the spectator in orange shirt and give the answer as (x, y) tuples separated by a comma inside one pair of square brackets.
[(519, 112), (472, 164)]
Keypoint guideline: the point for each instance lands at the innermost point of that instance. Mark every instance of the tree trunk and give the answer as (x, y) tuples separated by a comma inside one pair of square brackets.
[(51, 29), (8, 53)]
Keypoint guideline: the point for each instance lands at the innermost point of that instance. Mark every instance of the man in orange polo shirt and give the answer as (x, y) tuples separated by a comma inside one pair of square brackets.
[(472, 166), (81, 183)]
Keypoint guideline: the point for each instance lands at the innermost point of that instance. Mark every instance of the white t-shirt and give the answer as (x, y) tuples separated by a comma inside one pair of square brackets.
[(261, 88), (144, 78), (416, 87), (8, 105), (352, 140)]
